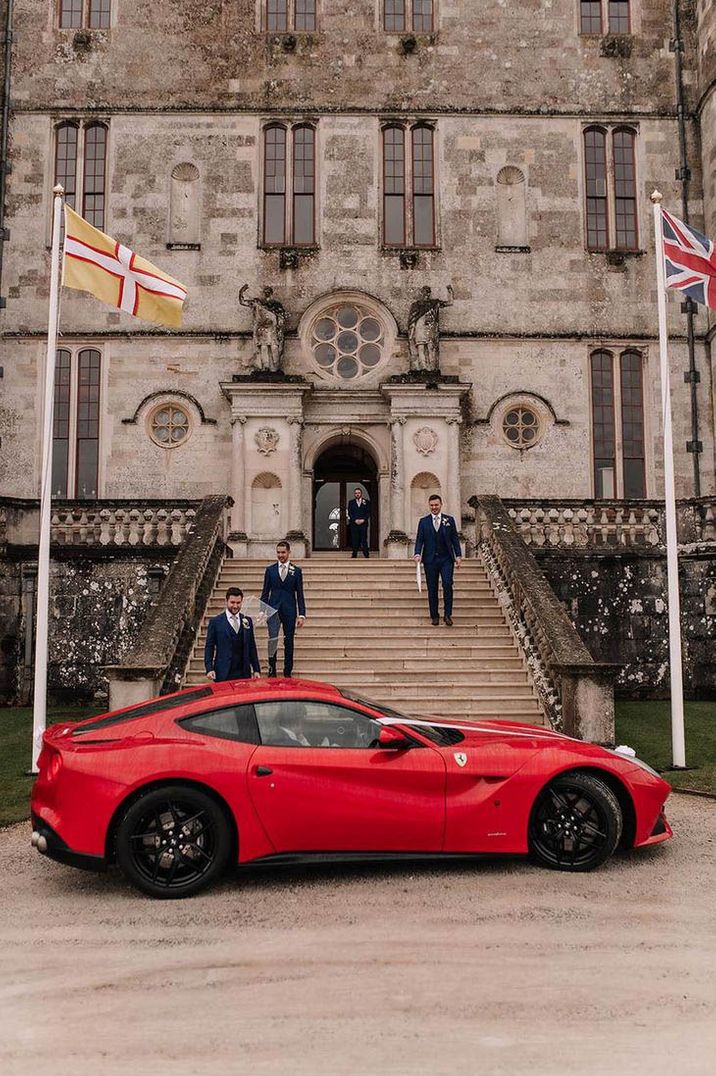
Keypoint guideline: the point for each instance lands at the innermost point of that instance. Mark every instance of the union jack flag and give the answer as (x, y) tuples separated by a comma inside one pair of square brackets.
[(690, 261)]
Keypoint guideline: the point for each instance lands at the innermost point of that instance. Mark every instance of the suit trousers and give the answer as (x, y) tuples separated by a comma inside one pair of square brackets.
[(434, 571), (287, 621), (359, 538)]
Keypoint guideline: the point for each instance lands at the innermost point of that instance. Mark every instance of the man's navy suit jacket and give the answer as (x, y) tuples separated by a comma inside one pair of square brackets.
[(356, 511), (231, 654), (445, 545), (285, 597)]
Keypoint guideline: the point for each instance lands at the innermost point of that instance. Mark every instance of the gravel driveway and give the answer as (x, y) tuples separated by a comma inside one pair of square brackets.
[(492, 967)]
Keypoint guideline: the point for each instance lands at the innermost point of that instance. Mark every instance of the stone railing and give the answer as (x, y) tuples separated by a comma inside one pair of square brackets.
[(156, 662), (576, 693), (110, 525), (607, 525)]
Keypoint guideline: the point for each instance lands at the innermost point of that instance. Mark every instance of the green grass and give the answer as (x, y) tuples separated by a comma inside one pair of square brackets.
[(645, 726)]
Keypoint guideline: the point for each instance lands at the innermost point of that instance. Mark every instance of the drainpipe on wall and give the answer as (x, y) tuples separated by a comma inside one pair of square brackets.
[(692, 375), (4, 165)]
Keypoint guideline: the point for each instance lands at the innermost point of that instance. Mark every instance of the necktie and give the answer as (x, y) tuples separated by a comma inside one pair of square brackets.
[(282, 572), (234, 623), (436, 522)]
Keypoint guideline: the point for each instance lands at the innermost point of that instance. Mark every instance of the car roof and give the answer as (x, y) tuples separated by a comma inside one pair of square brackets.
[(285, 687)]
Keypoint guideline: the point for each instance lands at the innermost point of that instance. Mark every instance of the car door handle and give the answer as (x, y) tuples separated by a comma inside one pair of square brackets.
[(263, 771)]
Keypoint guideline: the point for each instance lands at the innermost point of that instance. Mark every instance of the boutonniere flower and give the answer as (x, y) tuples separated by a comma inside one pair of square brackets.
[(245, 621), (446, 523), (291, 569)]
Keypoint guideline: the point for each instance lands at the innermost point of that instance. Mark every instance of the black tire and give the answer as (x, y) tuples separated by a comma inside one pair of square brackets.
[(173, 842), (576, 823)]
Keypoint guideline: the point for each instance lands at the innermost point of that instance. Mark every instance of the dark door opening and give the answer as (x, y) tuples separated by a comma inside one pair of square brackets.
[(338, 472)]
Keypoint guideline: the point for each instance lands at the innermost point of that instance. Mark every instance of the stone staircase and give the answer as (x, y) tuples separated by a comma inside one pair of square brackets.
[(368, 630)]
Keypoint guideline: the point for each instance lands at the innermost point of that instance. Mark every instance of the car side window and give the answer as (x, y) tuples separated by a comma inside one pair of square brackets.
[(305, 723), (229, 723)]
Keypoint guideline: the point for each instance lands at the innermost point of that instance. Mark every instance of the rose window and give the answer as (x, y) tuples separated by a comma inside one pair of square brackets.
[(347, 341), (169, 426), (521, 427)]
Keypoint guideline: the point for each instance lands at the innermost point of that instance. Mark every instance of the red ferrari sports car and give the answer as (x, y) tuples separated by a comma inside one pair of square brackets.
[(254, 771)]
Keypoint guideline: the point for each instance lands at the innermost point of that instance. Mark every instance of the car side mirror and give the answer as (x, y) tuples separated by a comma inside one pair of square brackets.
[(393, 738)]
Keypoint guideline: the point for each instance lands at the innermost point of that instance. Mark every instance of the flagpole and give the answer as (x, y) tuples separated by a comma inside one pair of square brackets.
[(678, 749), (39, 712)]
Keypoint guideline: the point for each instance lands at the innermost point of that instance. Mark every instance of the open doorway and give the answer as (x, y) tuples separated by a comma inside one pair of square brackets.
[(338, 472)]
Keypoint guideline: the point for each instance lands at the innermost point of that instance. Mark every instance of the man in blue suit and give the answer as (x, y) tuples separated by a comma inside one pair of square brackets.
[(230, 652), (438, 546), (358, 517), (283, 589)]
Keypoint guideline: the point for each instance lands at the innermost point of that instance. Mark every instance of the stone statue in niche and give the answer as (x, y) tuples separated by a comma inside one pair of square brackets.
[(270, 319), (424, 330)]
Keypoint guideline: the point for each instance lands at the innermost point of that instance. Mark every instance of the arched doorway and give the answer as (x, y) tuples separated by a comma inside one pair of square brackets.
[(337, 473)]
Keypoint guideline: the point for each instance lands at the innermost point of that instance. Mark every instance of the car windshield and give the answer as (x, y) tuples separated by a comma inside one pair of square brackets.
[(442, 735)]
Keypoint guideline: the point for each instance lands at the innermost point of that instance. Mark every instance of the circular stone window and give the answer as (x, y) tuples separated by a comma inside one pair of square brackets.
[(169, 425), (521, 427), (347, 341)]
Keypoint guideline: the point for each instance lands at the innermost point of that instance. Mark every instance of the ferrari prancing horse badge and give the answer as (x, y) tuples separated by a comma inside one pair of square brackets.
[(460, 757)]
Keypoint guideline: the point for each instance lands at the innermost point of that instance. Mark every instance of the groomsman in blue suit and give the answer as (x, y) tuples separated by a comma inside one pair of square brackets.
[(358, 517), (283, 589), (230, 652), (438, 546)]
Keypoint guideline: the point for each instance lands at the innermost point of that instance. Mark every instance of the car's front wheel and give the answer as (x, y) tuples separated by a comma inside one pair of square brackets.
[(173, 841), (576, 823)]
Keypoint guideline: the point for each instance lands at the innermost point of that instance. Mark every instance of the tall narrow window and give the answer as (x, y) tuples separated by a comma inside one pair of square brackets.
[(305, 18), (61, 423), (603, 424), (92, 14), (280, 16), (590, 16), (394, 186), (94, 175), (76, 414), (423, 189), (66, 160), (275, 185), (624, 190), (87, 423), (303, 185), (277, 15), (422, 16), (595, 160), (632, 424), (619, 22), (394, 16)]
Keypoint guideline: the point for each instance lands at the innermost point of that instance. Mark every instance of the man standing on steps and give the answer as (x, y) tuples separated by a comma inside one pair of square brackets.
[(283, 589), (230, 652), (438, 546), (358, 516)]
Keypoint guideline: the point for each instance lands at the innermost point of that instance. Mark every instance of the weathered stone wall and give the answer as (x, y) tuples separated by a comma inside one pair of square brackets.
[(617, 602)]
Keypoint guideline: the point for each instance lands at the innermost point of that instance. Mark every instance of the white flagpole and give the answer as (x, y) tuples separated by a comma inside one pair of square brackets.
[(678, 749), (39, 713)]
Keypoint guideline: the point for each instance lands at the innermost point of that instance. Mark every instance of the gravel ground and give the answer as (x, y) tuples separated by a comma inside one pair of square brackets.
[(490, 968)]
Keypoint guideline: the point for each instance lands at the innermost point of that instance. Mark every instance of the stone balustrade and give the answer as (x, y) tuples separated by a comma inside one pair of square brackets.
[(106, 524)]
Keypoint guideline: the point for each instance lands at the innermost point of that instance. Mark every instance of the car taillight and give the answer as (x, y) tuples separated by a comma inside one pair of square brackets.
[(53, 764)]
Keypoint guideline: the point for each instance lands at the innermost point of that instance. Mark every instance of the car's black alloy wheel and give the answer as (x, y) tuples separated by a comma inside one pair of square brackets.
[(173, 841), (576, 823)]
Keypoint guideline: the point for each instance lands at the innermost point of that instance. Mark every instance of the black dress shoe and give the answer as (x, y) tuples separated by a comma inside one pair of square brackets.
[(448, 621), (366, 556), (436, 621), (353, 556), (272, 674)]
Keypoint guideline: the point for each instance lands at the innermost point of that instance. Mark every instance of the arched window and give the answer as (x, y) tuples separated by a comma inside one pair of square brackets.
[(75, 464), (80, 166), (291, 224), (184, 206), (90, 14), (511, 208), (610, 188), (618, 425), (394, 186), (423, 188), (408, 192), (624, 189), (595, 164)]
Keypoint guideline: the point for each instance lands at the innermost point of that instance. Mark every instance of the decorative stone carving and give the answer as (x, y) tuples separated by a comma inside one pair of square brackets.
[(425, 440), (424, 330), (266, 439), (270, 318)]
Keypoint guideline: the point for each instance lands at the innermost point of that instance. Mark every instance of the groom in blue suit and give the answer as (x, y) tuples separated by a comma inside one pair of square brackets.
[(230, 652), (438, 546), (283, 589)]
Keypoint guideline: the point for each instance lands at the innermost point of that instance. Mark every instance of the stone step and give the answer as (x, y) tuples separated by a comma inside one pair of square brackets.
[(396, 672)]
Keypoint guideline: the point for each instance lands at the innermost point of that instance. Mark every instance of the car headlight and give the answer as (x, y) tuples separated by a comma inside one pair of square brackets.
[(629, 754)]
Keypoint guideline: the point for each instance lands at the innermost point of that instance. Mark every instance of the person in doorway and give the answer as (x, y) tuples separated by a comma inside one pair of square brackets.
[(437, 545), (283, 590), (230, 652), (358, 518)]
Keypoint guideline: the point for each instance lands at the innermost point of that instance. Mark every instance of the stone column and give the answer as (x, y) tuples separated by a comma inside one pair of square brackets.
[(237, 537), (295, 471), (397, 539), (453, 492)]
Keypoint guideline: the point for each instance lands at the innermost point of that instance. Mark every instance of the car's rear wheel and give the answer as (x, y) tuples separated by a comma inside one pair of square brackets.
[(173, 841), (576, 823)]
